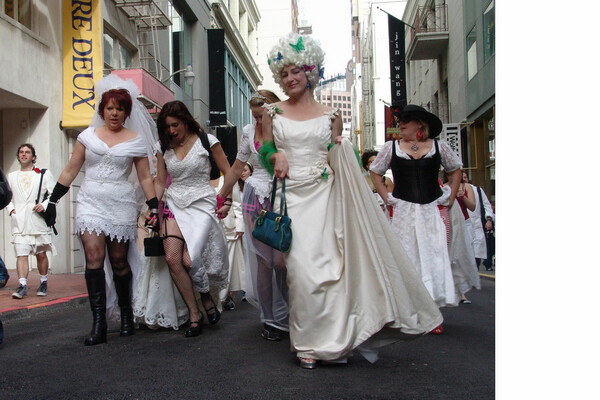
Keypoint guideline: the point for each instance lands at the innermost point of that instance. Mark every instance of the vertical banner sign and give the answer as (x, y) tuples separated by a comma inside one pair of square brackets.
[(216, 72), (397, 61), (82, 60)]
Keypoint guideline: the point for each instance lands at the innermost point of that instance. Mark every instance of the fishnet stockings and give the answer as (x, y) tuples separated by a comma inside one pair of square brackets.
[(179, 261)]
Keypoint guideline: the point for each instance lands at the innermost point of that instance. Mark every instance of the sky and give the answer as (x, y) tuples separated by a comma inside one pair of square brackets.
[(331, 22)]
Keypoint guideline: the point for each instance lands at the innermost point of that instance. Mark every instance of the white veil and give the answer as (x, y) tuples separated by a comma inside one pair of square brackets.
[(139, 121)]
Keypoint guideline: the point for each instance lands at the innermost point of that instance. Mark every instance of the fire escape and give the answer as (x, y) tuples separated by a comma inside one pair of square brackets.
[(150, 17)]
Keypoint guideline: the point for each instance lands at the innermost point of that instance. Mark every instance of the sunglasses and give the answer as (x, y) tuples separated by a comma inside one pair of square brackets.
[(406, 118)]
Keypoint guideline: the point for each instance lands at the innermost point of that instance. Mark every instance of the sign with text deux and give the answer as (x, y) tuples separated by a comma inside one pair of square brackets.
[(82, 60)]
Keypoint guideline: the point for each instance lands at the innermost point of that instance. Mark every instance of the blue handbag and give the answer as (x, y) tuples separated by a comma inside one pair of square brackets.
[(274, 229)]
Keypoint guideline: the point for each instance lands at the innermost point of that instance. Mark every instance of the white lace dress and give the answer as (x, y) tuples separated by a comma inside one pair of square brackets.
[(193, 201), (107, 201), (266, 286), (421, 229), (350, 284)]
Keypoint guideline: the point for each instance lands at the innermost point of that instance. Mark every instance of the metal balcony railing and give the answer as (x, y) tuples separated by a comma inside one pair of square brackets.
[(430, 19)]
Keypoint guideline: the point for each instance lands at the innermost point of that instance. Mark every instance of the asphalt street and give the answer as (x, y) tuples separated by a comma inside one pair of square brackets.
[(43, 357)]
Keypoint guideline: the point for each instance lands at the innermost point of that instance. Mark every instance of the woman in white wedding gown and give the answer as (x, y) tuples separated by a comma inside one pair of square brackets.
[(351, 286), (415, 161), (265, 272), (120, 135), (195, 245)]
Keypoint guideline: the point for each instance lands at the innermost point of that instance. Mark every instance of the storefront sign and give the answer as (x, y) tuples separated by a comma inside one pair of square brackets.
[(397, 61), (82, 60)]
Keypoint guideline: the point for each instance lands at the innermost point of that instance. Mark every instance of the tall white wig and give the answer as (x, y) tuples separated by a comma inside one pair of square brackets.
[(301, 51)]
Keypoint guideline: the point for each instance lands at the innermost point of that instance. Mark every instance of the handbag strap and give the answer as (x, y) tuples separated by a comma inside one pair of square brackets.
[(282, 202), (481, 208), (43, 171)]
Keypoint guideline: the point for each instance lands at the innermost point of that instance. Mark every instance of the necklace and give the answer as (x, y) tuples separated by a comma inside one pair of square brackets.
[(414, 146)]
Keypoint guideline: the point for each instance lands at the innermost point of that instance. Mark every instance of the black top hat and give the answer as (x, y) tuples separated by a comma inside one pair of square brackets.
[(434, 123)]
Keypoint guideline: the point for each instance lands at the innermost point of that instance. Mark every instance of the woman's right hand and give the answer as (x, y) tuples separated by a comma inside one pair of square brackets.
[(281, 166)]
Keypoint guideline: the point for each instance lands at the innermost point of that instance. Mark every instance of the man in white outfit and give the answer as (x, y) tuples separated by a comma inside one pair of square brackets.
[(482, 212), (31, 235)]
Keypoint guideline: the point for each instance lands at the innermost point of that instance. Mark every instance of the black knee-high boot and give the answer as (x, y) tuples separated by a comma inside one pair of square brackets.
[(95, 281), (123, 289)]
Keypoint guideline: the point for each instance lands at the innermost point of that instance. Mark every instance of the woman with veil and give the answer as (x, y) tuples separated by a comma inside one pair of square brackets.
[(119, 137)]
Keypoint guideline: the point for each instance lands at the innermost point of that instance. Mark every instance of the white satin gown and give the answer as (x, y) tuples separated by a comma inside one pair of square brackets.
[(350, 282)]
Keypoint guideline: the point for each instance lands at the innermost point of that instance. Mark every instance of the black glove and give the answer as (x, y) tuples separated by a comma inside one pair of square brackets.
[(153, 206), (50, 213)]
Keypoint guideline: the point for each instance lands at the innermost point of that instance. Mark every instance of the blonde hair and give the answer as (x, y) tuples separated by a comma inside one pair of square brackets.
[(301, 51), (260, 97)]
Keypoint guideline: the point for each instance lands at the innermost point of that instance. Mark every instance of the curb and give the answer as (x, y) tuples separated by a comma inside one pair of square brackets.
[(488, 276), (19, 313)]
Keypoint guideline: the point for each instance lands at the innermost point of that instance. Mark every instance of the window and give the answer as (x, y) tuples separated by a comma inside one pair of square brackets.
[(116, 56), (471, 54), (109, 45), (19, 10), (489, 32)]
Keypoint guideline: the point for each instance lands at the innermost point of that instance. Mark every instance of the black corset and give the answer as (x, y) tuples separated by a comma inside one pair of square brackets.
[(416, 181)]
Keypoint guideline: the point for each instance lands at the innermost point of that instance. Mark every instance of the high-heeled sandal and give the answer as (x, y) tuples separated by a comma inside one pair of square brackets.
[(438, 330), (308, 363), (215, 316), (193, 331)]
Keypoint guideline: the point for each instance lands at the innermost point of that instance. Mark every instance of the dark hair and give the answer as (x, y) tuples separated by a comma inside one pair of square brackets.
[(120, 96), (175, 109), (365, 157), (30, 148)]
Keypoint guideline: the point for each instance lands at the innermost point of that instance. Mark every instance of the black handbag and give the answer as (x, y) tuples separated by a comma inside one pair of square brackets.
[(153, 245), (37, 200), (274, 229)]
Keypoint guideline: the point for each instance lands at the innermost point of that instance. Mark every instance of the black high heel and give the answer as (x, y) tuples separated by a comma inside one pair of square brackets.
[(193, 331), (215, 316)]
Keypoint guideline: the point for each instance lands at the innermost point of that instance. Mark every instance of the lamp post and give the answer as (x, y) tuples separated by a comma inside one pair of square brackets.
[(188, 74)]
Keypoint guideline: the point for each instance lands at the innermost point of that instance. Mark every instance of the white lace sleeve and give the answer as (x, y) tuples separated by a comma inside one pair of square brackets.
[(383, 160), (245, 151), (450, 160)]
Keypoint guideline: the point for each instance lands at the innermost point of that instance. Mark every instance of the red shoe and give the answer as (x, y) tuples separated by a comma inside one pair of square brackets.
[(438, 331)]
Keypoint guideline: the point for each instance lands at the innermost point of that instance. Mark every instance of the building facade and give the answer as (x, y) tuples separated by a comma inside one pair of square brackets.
[(278, 18), (451, 72)]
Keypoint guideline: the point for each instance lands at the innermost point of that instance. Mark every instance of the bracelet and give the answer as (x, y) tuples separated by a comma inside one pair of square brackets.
[(227, 204), (51, 202), (154, 211), (228, 199)]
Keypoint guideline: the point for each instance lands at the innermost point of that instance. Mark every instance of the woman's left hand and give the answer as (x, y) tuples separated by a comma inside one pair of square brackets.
[(338, 139), (152, 221), (223, 211)]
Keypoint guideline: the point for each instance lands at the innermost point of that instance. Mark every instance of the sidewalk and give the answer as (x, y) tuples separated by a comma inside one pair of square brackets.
[(64, 290)]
